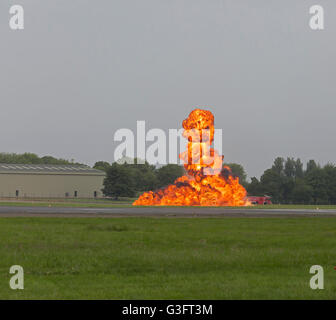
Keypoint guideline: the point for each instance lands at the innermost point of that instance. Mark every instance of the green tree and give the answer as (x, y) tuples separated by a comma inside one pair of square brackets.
[(287, 182), (168, 174), (311, 166), (299, 169), (144, 175), (254, 188), (102, 165), (278, 166), (238, 170), (287, 186), (289, 169), (273, 184), (302, 192), (119, 182), (330, 179), (317, 180), (52, 160), (31, 158)]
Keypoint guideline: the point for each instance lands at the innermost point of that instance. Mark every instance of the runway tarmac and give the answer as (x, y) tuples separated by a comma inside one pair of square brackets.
[(184, 212)]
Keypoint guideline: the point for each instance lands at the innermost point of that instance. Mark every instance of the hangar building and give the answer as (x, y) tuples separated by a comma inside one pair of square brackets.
[(50, 181)]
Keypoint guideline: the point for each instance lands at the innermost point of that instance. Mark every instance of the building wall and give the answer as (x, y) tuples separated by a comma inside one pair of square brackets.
[(50, 185)]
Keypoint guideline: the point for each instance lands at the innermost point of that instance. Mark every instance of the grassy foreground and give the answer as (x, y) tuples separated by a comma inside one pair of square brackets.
[(64, 204), (167, 258), (101, 203)]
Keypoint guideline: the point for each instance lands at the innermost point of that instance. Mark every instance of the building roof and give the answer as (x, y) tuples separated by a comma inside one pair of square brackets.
[(49, 169)]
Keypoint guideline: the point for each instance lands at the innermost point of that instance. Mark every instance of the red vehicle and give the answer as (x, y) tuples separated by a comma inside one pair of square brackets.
[(259, 199)]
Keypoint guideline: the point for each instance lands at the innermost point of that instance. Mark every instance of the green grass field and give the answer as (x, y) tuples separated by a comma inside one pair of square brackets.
[(65, 204), (102, 203), (167, 258), (69, 203)]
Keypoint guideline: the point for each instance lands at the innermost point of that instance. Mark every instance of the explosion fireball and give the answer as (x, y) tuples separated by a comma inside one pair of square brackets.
[(206, 182)]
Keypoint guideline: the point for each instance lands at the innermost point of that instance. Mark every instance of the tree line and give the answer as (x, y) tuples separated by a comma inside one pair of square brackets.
[(129, 180), (31, 158), (288, 182)]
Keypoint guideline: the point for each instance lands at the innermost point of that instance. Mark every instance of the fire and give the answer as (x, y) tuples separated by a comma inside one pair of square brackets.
[(206, 182)]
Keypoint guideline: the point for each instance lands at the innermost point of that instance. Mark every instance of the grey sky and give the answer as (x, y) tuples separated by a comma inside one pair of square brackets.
[(82, 69)]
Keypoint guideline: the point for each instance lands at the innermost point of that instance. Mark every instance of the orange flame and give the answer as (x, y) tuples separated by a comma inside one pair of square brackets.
[(206, 183)]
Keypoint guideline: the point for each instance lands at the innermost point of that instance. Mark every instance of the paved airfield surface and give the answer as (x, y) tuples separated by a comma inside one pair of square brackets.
[(162, 212)]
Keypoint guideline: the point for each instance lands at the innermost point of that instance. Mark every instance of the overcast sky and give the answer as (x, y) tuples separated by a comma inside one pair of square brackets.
[(81, 69)]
